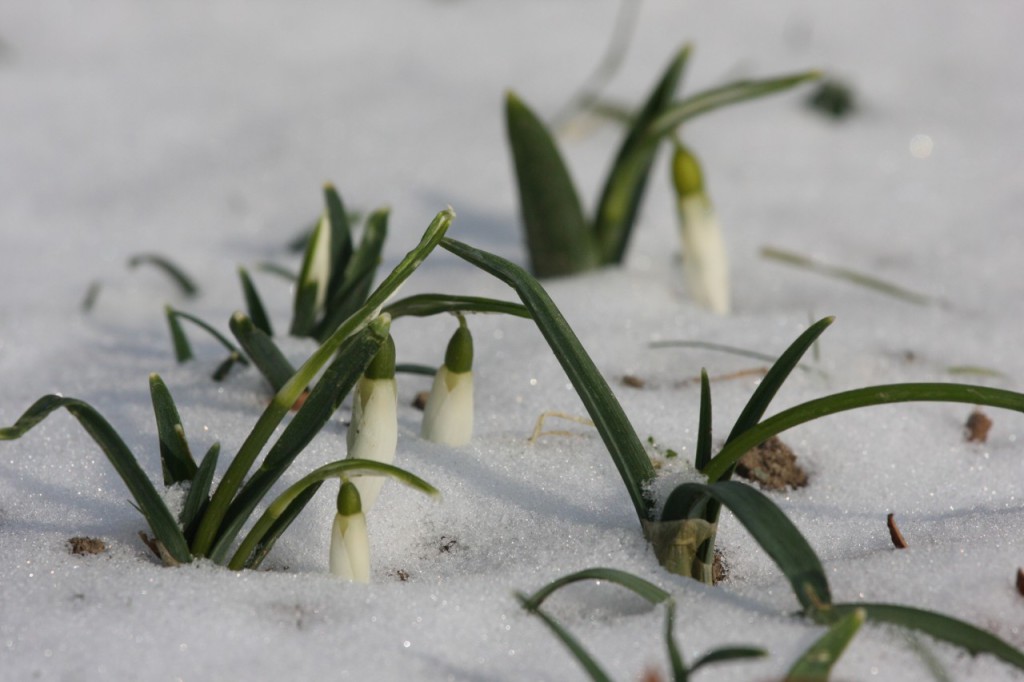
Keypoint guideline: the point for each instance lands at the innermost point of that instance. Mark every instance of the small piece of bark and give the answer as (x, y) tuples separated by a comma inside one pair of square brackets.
[(1020, 581), (894, 533), (633, 381), (977, 427)]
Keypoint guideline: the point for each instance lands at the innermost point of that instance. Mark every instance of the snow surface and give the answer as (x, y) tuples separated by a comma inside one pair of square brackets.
[(204, 131)]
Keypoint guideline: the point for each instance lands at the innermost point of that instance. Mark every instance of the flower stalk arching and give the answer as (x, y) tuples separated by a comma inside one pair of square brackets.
[(448, 416)]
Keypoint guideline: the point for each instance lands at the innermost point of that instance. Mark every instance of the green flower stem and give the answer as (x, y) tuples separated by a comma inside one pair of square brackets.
[(289, 393), (850, 400), (345, 467)]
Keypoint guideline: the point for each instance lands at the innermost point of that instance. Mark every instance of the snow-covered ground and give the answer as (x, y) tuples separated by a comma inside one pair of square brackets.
[(204, 131)]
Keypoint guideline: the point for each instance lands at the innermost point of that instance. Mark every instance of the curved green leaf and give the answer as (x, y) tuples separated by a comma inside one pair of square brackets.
[(199, 492), (176, 273), (635, 584), (148, 500), (624, 188), (254, 304), (175, 457), (625, 448), (424, 305), (557, 234), (857, 398), (265, 354), (815, 664), (581, 655), (280, 525), (181, 347)]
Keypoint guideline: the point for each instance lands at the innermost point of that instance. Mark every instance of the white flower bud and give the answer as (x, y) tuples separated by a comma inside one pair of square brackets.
[(350, 544)]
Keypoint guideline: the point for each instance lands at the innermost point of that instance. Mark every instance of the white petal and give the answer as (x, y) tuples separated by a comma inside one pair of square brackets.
[(705, 263), (373, 433), (448, 416), (350, 548)]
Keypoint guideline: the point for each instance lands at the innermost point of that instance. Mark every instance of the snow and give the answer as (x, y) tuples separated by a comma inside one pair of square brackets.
[(204, 131)]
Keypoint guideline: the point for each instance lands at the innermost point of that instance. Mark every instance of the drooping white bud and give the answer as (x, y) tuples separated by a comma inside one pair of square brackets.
[(373, 433), (350, 543), (448, 415), (705, 263)]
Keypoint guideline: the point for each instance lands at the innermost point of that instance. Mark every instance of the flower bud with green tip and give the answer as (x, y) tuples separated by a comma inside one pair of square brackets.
[(705, 264), (350, 544), (448, 416), (373, 433)]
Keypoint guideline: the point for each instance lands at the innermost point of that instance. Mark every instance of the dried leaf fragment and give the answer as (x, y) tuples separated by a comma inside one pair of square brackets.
[(894, 533), (977, 427), (85, 545)]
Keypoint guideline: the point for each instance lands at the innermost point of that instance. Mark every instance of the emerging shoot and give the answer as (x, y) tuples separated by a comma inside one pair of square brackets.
[(705, 263), (448, 416)]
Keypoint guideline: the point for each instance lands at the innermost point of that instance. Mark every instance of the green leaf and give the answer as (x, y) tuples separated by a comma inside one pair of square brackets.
[(178, 336), (182, 348), (724, 95), (857, 398), (199, 491), (341, 237), (265, 354), (558, 237), (280, 525), (424, 305), (175, 456), (254, 304), (149, 502), (703, 455), (311, 287), (675, 656), (625, 448), (635, 584), (289, 393), (728, 653), (357, 278), (944, 628), (627, 180), (346, 467), (579, 653), (815, 664), (177, 274), (322, 402), (772, 529)]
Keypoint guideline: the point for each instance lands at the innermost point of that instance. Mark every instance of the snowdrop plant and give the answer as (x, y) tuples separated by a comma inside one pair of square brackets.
[(373, 433), (682, 533), (560, 238), (448, 415), (705, 263), (350, 544)]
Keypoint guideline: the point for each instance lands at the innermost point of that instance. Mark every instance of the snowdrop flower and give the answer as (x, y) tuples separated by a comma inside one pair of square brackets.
[(448, 416), (350, 545), (705, 263), (373, 433)]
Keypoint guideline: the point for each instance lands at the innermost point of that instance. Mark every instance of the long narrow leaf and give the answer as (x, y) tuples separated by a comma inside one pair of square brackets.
[(424, 305), (175, 457), (625, 448), (280, 525), (182, 348), (322, 402), (341, 237), (345, 467), (703, 455), (857, 398), (149, 502), (815, 664), (289, 393), (579, 653), (675, 655), (265, 354), (635, 584), (254, 304), (199, 491), (944, 628), (175, 272), (728, 653), (176, 330), (624, 188), (716, 98), (558, 236), (776, 534), (314, 275)]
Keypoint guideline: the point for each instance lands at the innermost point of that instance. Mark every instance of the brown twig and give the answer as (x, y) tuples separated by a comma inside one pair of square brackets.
[(895, 534)]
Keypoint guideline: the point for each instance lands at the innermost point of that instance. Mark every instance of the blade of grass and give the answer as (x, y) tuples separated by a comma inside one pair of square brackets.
[(643, 588), (175, 457), (289, 393), (771, 528), (344, 467), (254, 304), (323, 401), (943, 628), (425, 305), (265, 354), (579, 653), (848, 275), (724, 95), (624, 188), (199, 492), (558, 237), (815, 664), (178, 276), (148, 500), (854, 399), (625, 448)]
